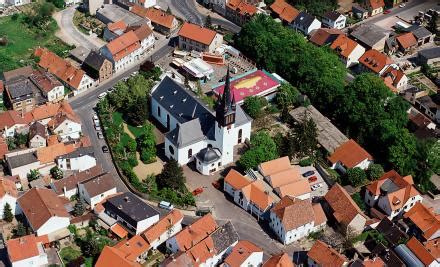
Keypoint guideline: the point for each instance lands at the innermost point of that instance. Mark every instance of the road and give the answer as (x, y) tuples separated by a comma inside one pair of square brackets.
[(187, 10)]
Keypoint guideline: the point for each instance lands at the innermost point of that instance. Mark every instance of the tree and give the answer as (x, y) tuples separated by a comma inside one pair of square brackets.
[(7, 213), (33, 175), (20, 230), (254, 105), (208, 22), (286, 96), (263, 148), (375, 171), (78, 209), (359, 200), (433, 159), (56, 173), (171, 177), (21, 139), (90, 248), (402, 152), (58, 3), (147, 144), (303, 139), (356, 176), (120, 97), (137, 113), (131, 145)]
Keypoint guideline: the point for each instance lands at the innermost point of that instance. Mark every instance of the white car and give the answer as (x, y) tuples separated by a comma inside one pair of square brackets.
[(316, 187), (97, 127), (402, 5), (102, 95), (96, 123), (100, 136), (95, 117)]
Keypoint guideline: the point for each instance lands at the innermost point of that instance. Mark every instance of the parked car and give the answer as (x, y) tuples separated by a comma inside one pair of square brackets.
[(111, 89), (387, 11), (402, 5), (105, 149), (100, 136), (102, 95), (308, 173), (315, 187), (95, 117), (166, 205), (197, 191), (97, 127), (313, 179), (96, 123)]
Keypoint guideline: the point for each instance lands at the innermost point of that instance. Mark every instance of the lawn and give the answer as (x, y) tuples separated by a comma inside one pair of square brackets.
[(118, 119), (22, 42)]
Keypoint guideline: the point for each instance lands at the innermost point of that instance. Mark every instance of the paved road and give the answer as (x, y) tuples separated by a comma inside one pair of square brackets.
[(187, 10)]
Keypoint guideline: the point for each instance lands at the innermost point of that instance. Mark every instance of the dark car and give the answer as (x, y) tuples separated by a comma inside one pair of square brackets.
[(306, 174), (105, 149)]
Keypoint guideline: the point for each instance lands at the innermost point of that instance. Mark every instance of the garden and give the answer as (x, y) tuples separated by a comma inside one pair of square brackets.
[(124, 114)]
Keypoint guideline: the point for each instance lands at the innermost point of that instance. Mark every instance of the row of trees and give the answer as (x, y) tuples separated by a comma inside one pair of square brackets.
[(365, 109)]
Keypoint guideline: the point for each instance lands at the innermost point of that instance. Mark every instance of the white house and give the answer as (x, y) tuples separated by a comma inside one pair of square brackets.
[(197, 38), (51, 88), (37, 135), (348, 50), (145, 3), (134, 214), (305, 23), (196, 132), (292, 219), (96, 189), (164, 229), (27, 251), (244, 254), (146, 37), (22, 162), (350, 155), (334, 19), (44, 211), (393, 194), (9, 195), (65, 125), (80, 159), (12, 122)]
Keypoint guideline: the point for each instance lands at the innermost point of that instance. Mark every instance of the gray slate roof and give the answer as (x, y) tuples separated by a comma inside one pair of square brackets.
[(419, 32), (224, 237), (209, 155), (37, 129), (430, 52), (21, 160), (304, 19), (94, 60), (99, 184), (80, 151), (332, 15), (130, 208), (369, 34), (21, 89)]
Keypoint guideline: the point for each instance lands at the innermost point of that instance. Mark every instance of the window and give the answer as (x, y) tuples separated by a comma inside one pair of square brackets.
[(190, 153), (158, 111), (240, 135), (171, 149)]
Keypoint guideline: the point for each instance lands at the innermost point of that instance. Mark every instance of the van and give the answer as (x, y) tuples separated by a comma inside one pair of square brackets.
[(166, 205)]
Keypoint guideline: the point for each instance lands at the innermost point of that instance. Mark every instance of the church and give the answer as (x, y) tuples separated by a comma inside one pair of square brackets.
[(196, 133)]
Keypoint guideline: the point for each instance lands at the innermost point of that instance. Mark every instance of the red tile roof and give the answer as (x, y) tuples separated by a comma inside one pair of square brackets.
[(433, 246), (49, 110), (44, 81), (156, 230), (256, 194), (324, 255), (274, 166), (160, 17), (143, 32), (24, 247), (241, 252), (374, 60), (236, 180), (123, 45), (425, 219), (111, 256), (375, 4), (119, 230), (196, 232), (343, 45), (7, 187), (395, 74), (197, 33), (349, 154), (9, 118), (279, 260), (132, 248), (420, 251), (343, 206), (3, 147), (242, 7), (324, 36), (406, 40), (118, 25), (285, 11)]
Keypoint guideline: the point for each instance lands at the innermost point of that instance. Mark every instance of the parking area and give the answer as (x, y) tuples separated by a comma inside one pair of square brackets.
[(322, 190)]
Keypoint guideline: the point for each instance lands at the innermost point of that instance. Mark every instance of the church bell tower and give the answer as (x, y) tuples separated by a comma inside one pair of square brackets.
[(225, 111)]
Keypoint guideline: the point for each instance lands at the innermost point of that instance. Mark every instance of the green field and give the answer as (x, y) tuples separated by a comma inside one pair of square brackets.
[(22, 41)]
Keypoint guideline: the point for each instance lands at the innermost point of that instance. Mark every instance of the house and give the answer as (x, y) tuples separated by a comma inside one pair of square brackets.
[(37, 135), (430, 106), (350, 155), (422, 253), (131, 212), (284, 11), (348, 50), (251, 83), (145, 3), (66, 125), (429, 56), (45, 212), (112, 256), (305, 23), (424, 222), (13, 122), (44, 113), (21, 162), (434, 248), (409, 258), (250, 195), (194, 131), (334, 20), (200, 39), (324, 36), (47, 155), (164, 229), (376, 261), (240, 11), (97, 66), (160, 20), (394, 78), (178, 259), (279, 260), (122, 51), (292, 219), (68, 186), (375, 7), (27, 250), (79, 54), (96, 189), (9, 195), (145, 35), (20, 94), (422, 35), (50, 87), (344, 210), (374, 61), (370, 36), (192, 234), (322, 254), (72, 77), (133, 250), (245, 253), (114, 30), (3, 148), (218, 6), (393, 194), (80, 159), (406, 42), (359, 12)]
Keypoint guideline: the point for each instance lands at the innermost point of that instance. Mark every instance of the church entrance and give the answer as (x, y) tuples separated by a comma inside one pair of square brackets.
[(168, 122)]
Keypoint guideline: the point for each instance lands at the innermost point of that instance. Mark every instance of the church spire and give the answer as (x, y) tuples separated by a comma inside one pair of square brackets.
[(225, 112)]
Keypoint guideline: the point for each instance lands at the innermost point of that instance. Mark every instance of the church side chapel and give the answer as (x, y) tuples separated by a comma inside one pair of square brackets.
[(196, 133)]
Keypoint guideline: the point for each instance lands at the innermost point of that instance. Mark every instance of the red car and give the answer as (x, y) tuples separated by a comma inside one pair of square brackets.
[(387, 11), (197, 191), (313, 179)]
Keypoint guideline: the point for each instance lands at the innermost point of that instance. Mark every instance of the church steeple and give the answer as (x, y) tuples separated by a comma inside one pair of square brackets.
[(225, 111)]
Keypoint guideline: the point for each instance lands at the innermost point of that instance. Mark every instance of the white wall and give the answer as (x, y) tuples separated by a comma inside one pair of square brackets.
[(86, 83), (56, 94), (22, 171), (80, 163), (92, 201), (173, 230), (12, 201), (68, 129), (37, 142), (54, 224), (39, 260), (353, 58), (144, 224)]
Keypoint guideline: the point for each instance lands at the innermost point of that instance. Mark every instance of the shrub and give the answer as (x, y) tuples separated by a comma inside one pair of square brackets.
[(132, 160), (306, 162)]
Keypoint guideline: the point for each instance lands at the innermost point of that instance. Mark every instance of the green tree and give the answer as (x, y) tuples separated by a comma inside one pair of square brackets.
[(90, 248), (33, 175), (303, 140), (171, 177), (58, 3), (7, 213), (402, 152), (433, 159), (356, 176), (120, 97), (20, 230), (79, 209), (286, 96), (358, 200), (131, 145), (139, 86), (263, 148), (147, 144), (254, 106), (21, 139), (375, 171), (137, 113), (56, 173)]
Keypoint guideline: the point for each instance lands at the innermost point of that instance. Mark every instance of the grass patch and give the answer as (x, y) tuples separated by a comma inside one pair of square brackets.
[(88, 262), (69, 254), (23, 40), (136, 131), (117, 118), (125, 138)]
